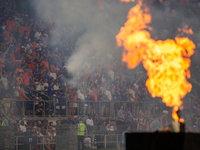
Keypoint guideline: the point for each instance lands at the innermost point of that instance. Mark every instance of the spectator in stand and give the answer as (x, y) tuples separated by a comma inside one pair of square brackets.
[(4, 82), (163, 120), (74, 104), (102, 98), (22, 127), (38, 34), (51, 90), (69, 120), (109, 120), (108, 99), (24, 120), (89, 121), (53, 74), (44, 134), (76, 120), (117, 99), (128, 115), (142, 121), (56, 87), (37, 72), (58, 122), (121, 116), (155, 124), (26, 78), (111, 126), (45, 63), (6, 103), (22, 96), (103, 126)]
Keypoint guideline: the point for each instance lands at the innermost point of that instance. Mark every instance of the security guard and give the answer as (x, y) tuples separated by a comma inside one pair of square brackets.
[(81, 134), (5, 121)]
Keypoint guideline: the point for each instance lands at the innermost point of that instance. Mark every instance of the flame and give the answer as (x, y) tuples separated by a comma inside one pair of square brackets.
[(185, 30), (181, 120), (166, 62)]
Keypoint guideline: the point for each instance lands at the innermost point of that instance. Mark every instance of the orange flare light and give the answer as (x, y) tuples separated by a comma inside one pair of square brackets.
[(166, 62), (185, 30)]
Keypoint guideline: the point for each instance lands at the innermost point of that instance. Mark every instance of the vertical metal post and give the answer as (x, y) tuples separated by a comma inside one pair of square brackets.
[(30, 146), (89, 108), (117, 141), (78, 104), (44, 109), (16, 143), (33, 108), (99, 108), (43, 142), (105, 142), (54, 105), (23, 113), (1, 108), (93, 141), (66, 107), (112, 108)]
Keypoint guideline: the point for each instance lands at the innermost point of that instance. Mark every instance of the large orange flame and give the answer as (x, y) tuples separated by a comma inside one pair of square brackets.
[(166, 62)]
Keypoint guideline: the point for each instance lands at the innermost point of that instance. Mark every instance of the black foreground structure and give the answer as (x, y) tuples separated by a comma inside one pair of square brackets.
[(162, 141)]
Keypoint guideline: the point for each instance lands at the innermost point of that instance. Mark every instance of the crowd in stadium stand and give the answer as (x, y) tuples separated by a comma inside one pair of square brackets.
[(34, 70)]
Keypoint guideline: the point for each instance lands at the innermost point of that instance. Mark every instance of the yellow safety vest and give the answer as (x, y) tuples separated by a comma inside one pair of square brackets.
[(81, 129), (3, 123)]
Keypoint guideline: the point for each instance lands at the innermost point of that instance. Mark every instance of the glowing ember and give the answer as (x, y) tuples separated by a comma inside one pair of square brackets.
[(166, 62), (185, 30)]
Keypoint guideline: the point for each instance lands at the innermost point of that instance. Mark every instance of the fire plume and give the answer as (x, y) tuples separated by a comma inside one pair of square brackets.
[(167, 62)]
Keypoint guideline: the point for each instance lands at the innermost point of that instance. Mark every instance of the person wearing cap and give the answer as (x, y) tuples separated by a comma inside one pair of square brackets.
[(76, 120), (4, 122), (81, 134), (163, 120)]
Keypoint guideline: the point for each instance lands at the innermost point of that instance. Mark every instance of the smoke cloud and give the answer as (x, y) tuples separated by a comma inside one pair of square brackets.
[(96, 31)]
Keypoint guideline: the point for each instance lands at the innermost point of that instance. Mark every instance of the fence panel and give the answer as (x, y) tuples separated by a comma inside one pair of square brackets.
[(63, 107)]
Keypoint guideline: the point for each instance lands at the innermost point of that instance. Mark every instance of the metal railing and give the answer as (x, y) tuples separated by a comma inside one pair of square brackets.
[(65, 107), (13, 104), (105, 141), (46, 97), (19, 142)]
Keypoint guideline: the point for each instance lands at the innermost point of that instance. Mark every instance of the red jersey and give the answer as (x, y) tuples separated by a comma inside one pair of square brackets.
[(45, 63), (21, 94), (26, 79)]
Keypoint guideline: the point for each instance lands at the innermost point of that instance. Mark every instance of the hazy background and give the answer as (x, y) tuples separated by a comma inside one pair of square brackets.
[(95, 29)]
